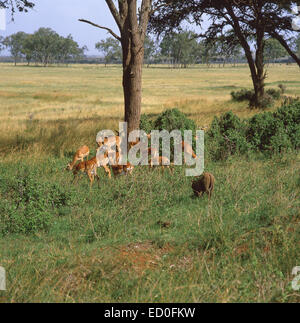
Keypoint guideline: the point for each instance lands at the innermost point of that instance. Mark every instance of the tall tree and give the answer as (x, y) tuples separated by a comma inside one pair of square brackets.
[(1, 43), (273, 50), (249, 21), (15, 44), (111, 49), (149, 49), (28, 48), (132, 22), (182, 47)]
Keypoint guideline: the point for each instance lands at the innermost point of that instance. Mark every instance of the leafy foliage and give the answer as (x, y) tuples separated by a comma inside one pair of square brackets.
[(265, 132), (111, 49), (174, 119), (29, 204), (227, 136), (44, 46), (267, 100)]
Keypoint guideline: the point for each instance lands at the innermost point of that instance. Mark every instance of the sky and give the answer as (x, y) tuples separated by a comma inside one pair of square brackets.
[(62, 16)]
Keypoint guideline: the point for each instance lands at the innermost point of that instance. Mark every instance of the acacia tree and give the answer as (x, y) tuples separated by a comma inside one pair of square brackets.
[(273, 50), (1, 43), (111, 49), (149, 49), (181, 47), (15, 44), (248, 21), (132, 21)]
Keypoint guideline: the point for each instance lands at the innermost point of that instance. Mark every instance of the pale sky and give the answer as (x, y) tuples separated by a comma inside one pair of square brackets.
[(62, 16)]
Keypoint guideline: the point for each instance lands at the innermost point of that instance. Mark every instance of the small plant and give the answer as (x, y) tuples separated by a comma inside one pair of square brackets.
[(242, 95), (282, 88), (266, 101), (29, 203), (146, 123)]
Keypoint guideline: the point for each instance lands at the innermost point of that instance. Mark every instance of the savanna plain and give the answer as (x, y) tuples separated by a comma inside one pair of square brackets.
[(64, 242)]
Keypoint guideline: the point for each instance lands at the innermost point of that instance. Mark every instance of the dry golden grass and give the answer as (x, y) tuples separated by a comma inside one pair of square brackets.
[(39, 104), (86, 91)]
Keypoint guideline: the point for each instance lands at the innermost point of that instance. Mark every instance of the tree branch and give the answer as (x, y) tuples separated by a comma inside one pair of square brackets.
[(144, 17), (115, 13), (101, 27)]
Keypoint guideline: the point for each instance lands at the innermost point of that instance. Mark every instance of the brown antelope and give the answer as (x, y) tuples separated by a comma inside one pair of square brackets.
[(188, 149), (132, 144), (110, 142), (89, 167), (80, 154), (121, 169), (117, 169), (162, 161), (204, 184)]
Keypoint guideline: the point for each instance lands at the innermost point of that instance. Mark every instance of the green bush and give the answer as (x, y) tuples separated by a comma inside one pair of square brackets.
[(28, 204), (290, 117), (275, 94), (174, 120), (227, 136), (146, 123), (267, 100), (242, 95), (265, 132)]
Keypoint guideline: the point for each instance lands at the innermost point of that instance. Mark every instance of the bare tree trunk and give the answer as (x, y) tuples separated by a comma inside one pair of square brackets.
[(260, 73), (132, 24), (133, 57)]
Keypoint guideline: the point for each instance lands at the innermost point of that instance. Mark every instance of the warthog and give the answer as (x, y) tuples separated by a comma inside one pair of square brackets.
[(204, 184)]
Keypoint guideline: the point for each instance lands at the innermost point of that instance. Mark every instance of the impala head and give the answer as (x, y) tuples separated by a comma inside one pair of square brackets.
[(69, 167)]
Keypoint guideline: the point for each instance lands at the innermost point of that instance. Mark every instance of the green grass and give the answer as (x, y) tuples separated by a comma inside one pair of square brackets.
[(65, 242), (106, 245)]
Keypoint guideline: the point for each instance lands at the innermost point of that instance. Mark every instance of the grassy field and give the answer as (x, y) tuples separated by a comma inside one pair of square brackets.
[(105, 244)]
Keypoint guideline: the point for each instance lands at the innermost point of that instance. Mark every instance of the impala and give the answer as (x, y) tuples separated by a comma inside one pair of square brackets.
[(80, 154)]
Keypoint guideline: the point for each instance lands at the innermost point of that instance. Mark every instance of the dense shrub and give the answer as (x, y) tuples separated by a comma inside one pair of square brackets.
[(27, 204), (174, 120), (268, 99), (275, 94), (146, 123), (271, 132), (227, 136), (261, 128), (290, 117), (169, 120), (242, 95), (265, 132)]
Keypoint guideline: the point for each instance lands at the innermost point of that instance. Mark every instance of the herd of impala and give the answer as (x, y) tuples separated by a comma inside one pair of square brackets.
[(203, 184)]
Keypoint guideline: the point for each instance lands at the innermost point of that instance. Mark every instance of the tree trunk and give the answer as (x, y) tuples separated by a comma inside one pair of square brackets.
[(257, 66), (259, 82), (133, 58), (132, 23)]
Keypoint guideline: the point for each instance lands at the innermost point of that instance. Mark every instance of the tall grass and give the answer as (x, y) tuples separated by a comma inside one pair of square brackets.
[(107, 243)]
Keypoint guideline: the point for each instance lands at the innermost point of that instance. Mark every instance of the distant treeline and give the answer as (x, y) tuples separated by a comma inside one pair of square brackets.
[(178, 50), (45, 47)]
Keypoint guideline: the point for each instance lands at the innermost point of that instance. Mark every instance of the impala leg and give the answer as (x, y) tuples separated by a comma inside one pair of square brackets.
[(107, 171)]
